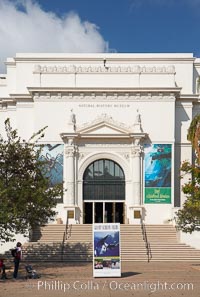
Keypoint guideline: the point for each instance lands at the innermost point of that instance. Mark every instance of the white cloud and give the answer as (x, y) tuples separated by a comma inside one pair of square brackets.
[(25, 27)]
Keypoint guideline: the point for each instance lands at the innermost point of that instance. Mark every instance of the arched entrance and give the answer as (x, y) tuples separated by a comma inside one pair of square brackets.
[(103, 192)]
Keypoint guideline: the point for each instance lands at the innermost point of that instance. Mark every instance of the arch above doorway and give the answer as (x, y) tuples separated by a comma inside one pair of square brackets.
[(122, 162)]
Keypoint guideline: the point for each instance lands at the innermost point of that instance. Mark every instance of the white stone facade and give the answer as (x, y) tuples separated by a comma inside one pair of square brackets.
[(106, 106)]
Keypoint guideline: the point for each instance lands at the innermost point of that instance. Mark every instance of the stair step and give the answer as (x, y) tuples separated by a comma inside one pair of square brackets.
[(48, 244)]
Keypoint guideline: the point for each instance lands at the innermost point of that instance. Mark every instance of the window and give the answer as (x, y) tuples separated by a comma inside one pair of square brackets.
[(104, 180)]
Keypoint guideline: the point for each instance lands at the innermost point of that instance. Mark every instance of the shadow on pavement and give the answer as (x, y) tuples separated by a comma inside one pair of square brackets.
[(129, 273)]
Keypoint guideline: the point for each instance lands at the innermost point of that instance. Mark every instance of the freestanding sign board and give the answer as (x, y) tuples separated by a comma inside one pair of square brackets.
[(106, 250)]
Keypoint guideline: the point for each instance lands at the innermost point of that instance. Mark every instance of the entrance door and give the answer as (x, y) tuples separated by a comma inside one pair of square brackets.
[(98, 207), (103, 212), (88, 213), (119, 212), (109, 212)]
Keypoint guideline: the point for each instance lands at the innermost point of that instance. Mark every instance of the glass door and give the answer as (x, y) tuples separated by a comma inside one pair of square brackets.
[(119, 212), (103, 212), (98, 212), (108, 213), (88, 213)]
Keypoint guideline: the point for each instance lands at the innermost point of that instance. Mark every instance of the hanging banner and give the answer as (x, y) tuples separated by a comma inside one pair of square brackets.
[(53, 154), (157, 173), (106, 250)]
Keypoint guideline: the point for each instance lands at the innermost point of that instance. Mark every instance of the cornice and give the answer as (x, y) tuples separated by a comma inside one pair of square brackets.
[(110, 57), (6, 99), (189, 97), (20, 96), (104, 136), (7, 103), (100, 94), (17, 98), (95, 94), (14, 98), (197, 62), (97, 135), (175, 90)]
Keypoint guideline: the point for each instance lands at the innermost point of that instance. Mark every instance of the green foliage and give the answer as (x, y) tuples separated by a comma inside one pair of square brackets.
[(193, 129), (26, 200), (188, 218), (198, 84)]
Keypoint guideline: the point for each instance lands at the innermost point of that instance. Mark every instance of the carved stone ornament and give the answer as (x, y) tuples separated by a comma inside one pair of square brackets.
[(136, 151), (70, 151), (81, 156), (70, 142), (106, 118), (126, 156), (72, 118), (137, 127), (134, 69), (72, 122)]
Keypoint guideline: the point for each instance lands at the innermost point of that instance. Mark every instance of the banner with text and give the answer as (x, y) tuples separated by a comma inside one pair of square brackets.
[(157, 173), (106, 250)]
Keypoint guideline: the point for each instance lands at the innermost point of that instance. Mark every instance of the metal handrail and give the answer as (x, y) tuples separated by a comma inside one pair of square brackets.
[(65, 237), (68, 230), (147, 244), (62, 246)]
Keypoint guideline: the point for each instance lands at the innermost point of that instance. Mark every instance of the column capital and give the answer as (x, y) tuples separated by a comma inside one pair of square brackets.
[(136, 151), (70, 151)]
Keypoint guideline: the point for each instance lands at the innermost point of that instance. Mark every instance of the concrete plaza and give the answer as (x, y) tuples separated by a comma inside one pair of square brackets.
[(138, 279)]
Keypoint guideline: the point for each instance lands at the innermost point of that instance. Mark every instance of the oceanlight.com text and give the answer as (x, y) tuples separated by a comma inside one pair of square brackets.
[(90, 285)]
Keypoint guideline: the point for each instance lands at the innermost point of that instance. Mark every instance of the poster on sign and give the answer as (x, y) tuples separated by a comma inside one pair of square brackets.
[(106, 250)]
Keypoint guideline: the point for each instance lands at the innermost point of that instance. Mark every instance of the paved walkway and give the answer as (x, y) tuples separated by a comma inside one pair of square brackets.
[(138, 279)]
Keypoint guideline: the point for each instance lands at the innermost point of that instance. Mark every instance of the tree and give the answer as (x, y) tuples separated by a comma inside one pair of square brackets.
[(188, 218), (26, 199), (194, 136)]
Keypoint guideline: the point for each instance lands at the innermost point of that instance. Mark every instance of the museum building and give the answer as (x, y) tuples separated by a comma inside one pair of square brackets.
[(117, 129)]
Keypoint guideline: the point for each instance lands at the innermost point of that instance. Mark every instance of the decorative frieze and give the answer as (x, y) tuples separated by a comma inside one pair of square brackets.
[(130, 69), (97, 96)]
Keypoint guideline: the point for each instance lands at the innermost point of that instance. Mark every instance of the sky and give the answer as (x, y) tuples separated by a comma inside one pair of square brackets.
[(92, 26)]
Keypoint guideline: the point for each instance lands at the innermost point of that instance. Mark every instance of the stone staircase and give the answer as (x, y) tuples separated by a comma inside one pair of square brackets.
[(55, 243), (51, 243), (165, 246)]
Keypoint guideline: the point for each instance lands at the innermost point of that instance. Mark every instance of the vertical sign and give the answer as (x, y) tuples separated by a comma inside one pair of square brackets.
[(106, 250), (158, 159)]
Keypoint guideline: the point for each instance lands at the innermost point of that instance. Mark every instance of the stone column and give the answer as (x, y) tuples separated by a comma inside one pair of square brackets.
[(136, 172), (70, 173)]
